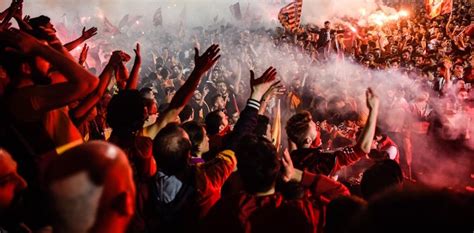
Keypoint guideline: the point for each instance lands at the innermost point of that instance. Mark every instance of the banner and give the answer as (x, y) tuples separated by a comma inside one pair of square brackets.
[(436, 8), (290, 15), (235, 11), (158, 18)]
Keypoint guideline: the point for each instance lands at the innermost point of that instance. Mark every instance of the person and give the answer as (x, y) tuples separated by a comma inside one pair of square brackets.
[(182, 192), (385, 146), (260, 208), (379, 177), (11, 187), (342, 212), (303, 133), (431, 208), (326, 35), (217, 126), (91, 189), (199, 140)]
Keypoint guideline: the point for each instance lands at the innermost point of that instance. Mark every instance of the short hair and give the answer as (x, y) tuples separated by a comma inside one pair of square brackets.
[(171, 150), (125, 112), (379, 177), (164, 73), (341, 212), (196, 134), (186, 113), (428, 207), (326, 22), (297, 126), (215, 97), (257, 163), (75, 206), (213, 121), (36, 24)]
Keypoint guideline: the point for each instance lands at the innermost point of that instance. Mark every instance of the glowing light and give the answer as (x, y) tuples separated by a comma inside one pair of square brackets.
[(403, 13), (353, 29), (137, 22), (362, 11)]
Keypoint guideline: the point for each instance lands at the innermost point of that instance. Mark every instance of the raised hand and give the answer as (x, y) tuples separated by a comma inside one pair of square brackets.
[(137, 51), (17, 9), (83, 55), (372, 100), (261, 85), (288, 168), (207, 60), (276, 89), (87, 34)]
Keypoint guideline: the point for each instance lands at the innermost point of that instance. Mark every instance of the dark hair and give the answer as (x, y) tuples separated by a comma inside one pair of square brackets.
[(341, 212), (262, 125), (215, 97), (36, 24), (433, 209), (164, 73), (196, 134), (144, 91), (297, 126), (186, 113), (257, 163), (125, 113), (171, 150), (213, 121), (380, 177)]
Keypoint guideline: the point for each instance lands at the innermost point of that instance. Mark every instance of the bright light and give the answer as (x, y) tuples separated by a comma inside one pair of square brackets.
[(137, 22), (403, 13), (353, 28)]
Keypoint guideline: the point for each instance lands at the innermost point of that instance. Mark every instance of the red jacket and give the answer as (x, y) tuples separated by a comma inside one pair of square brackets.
[(387, 143), (244, 212)]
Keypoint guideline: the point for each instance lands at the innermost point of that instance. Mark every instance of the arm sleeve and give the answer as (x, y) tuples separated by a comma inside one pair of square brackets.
[(323, 186), (245, 125), (347, 156), (220, 168)]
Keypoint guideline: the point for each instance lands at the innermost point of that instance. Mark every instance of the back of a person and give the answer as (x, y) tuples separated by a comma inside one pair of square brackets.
[(313, 160), (173, 204), (272, 213)]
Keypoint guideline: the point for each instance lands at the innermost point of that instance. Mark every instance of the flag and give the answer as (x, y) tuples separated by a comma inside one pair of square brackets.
[(124, 21), (435, 8), (276, 127), (109, 27), (158, 18), (235, 11), (182, 23), (290, 15)]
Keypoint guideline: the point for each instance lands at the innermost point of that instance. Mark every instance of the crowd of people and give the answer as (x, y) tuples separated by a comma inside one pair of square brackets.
[(191, 138)]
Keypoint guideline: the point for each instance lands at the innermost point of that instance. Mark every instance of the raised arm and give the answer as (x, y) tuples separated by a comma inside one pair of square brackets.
[(83, 55), (91, 100), (202, 64), (365, 140), (132, 82), (44, 98), (320, 186), (86, 34), (8, 14), (248, 117)]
